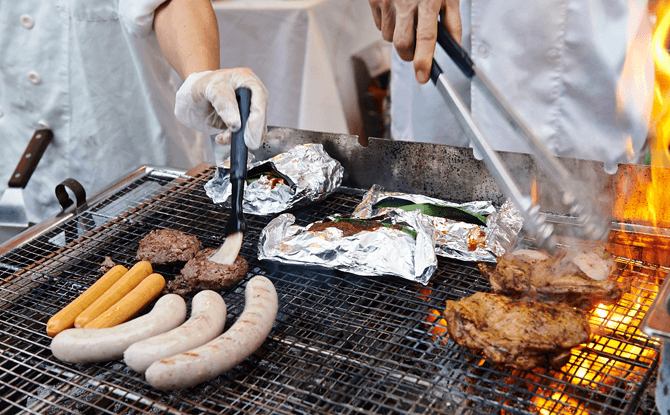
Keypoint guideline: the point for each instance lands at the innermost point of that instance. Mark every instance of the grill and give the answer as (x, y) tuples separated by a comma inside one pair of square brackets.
[(341, 343)]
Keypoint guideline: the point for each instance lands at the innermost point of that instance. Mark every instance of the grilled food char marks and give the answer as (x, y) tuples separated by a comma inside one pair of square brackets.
[(202, 274), (538, 310), (515, 333), (164, 246), (530, 275)]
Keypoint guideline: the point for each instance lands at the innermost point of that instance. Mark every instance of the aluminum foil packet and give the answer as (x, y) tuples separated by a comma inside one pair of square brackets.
[(482, 237), (302, 175), (383, 251)]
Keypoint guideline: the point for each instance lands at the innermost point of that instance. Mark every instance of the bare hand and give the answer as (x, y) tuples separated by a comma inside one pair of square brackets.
[(412, 27)]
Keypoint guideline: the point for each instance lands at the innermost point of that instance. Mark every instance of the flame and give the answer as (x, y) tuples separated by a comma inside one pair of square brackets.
[(596, 370), (533, 192), (660, 110), (607, 359), (438, 328), (643, 197), (559, 403)]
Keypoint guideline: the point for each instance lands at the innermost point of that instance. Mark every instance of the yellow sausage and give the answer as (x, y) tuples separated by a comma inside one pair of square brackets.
[(131, 304), (120, 288), (65, 318)]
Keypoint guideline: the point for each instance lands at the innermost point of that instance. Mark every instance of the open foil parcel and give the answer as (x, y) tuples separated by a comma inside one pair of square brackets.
[(473, 231), (359, 246), (302, 175)]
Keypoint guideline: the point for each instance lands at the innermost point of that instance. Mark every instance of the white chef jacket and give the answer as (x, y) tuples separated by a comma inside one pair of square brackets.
[(108, 96), (579, 72)]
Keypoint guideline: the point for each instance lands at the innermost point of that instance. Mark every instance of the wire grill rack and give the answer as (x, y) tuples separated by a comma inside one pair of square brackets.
[(341, 343)]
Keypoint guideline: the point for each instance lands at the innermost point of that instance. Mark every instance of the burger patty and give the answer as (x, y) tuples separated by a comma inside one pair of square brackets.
[(202, 274), (167, 245)]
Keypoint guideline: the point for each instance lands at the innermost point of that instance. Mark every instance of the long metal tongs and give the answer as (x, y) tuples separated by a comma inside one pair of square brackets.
[(593, 226)]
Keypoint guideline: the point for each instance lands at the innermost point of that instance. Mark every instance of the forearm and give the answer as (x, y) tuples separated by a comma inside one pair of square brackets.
[(188, 35)]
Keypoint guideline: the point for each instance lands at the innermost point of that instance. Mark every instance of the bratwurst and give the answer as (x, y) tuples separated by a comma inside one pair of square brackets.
[(100, 345), (226, 351), (208, 317)]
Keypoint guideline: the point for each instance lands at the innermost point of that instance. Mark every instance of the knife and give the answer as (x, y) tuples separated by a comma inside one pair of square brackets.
[(13, 217), (237, 224), (592, 225)]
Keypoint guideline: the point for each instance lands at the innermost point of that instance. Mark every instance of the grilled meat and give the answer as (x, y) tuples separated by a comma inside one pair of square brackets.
[(516, 333), (531, 276), (351, 227), (167, 245), (107, 264), (202, 274)]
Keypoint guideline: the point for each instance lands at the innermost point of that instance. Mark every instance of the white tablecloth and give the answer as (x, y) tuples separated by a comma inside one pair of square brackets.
[(302, 51)]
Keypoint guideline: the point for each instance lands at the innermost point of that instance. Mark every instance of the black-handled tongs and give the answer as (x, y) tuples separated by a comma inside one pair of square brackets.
[(593, 226)]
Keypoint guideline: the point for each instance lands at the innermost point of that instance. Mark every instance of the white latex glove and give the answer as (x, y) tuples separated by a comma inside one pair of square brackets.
[(206, 102), (412, 27)]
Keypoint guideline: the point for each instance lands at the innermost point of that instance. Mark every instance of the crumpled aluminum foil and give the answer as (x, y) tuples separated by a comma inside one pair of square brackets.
[(312, 175), (381, 252), (455, 239)]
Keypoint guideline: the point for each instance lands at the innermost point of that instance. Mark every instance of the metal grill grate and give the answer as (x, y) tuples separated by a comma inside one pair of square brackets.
[(341, 344)]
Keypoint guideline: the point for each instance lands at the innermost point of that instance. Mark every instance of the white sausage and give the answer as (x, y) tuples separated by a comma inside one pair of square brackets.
[(208, 317), (226, 351), (100, 345)]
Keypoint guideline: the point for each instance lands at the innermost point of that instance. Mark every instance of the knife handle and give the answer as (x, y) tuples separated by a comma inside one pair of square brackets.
[(28, 163), (238, 163), (455, 51)]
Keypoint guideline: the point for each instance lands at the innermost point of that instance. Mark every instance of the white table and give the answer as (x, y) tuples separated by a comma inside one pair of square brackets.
[(302, 51)]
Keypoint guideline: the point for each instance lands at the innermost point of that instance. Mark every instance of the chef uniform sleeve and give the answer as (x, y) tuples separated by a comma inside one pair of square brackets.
[(138, 15)]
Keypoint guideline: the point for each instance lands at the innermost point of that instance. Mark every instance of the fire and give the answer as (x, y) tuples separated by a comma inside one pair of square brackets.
[(591, 367), (660, 110), (611, 355), (437, 323), (559, 403), (642, 197)]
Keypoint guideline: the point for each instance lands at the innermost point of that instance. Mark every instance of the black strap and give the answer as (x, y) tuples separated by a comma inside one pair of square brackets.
[(76, 188)]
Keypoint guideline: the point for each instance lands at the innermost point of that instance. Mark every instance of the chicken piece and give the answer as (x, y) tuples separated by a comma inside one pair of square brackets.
[(557, 279), (515, 333), (597, 265)]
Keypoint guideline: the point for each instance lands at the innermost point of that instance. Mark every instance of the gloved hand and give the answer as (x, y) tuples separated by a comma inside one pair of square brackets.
[(206, 102), (412, 27)]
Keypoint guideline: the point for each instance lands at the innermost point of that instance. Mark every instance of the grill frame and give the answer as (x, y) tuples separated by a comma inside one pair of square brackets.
[(342, 343)]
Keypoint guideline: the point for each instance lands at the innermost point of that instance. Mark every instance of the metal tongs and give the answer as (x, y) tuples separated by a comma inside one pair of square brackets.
[(591, 224)]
